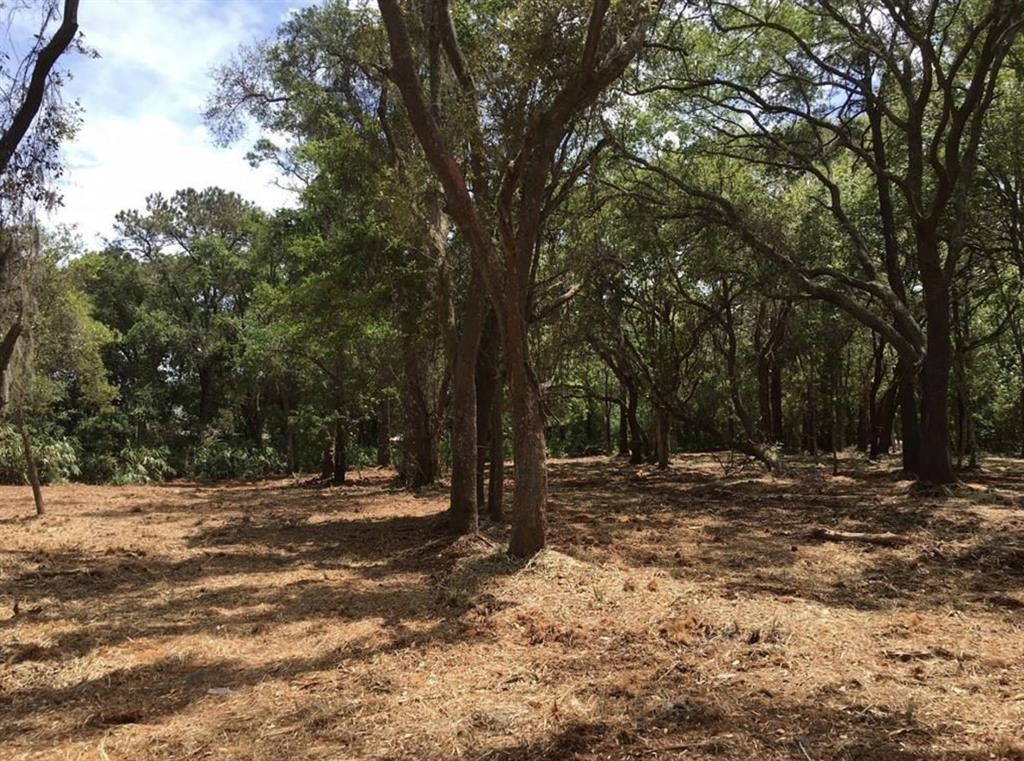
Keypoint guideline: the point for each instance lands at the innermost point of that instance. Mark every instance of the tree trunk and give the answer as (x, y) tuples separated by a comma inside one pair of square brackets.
[(528, 444), (637, 448), (289, 434), (340, 470), (778, 434), (487, 388), (462, 510), (623, 423), (496, 490), (205, 396), (935, 464), (384, 434), (910, 425), (30, 460), (607, 416), (327, 461), (764, 396), (419, 460), (663, 427), (7, 345)]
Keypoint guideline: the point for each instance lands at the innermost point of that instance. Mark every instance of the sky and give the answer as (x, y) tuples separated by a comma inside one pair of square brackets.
[(142, 129)]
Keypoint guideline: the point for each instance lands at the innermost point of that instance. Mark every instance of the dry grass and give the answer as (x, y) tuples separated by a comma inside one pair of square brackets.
[(681, 615)]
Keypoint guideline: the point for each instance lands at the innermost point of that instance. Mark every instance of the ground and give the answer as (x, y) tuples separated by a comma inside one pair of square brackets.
[(694, 614)]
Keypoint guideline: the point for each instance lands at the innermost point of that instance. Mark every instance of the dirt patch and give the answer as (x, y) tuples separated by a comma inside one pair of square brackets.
[(684, 614)]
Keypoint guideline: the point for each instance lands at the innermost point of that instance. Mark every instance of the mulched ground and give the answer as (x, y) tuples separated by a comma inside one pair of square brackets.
[(692, 614)]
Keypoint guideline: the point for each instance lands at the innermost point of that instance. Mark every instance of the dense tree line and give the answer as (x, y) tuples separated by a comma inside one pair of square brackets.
[(532, 228)]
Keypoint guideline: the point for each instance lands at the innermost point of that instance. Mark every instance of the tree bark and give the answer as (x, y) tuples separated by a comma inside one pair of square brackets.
[(6, 356), (663, 426), (384, 433), (528, 444), (327, 461), (340, 470), (935, 464), (910, 424), (778, 433), (30, 461), (637, 444), (419, 458), (487, 380), (496, 480), (462, 510)]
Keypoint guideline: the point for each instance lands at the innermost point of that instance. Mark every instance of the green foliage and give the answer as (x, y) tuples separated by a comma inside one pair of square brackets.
[(55, 455), (218, 458)]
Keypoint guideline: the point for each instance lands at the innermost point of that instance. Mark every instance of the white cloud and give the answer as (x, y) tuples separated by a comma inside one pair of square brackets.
[(142, 131)]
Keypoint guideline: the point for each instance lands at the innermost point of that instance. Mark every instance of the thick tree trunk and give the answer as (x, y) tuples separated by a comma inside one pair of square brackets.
[(528, 444), (935, 464), (462, 510)]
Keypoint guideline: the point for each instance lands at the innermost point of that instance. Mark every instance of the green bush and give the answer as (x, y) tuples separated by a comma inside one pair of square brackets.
[(131, 466), (217, 459), (56, 457)]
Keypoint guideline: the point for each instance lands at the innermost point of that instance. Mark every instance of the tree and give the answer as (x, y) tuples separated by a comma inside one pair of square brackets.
[(34, 123), (501, 195), (873, 114)]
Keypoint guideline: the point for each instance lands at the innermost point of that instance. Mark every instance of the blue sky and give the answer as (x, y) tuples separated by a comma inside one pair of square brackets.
[(142, 129)]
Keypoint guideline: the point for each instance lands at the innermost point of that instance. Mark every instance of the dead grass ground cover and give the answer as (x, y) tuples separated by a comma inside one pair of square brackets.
[(680, 615)]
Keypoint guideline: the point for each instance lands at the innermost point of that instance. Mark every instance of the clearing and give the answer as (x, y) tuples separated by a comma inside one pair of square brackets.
[(688, 614)]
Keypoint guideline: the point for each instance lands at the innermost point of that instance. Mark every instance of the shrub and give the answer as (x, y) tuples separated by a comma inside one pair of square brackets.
[(219, 459), (56, 457)]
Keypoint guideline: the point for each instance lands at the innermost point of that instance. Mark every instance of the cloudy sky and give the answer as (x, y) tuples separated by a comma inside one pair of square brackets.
[(142, 127)]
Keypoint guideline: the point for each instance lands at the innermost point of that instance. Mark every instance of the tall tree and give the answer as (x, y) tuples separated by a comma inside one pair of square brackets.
[(501, 195)]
